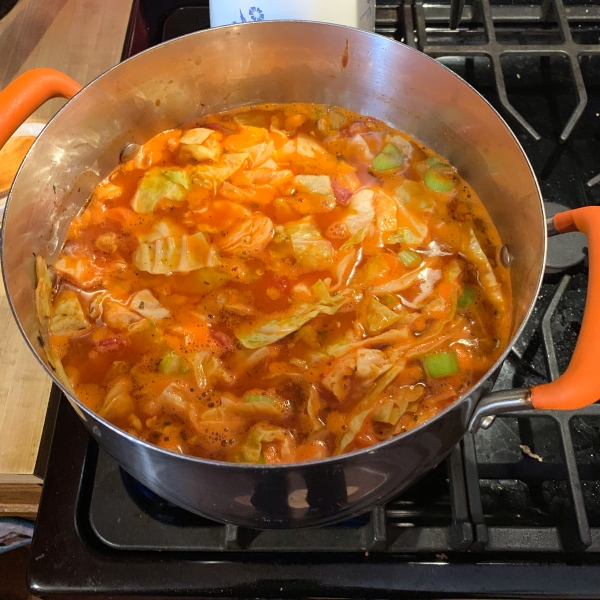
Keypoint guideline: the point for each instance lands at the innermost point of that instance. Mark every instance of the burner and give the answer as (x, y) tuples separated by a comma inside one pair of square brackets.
[(566, 250)]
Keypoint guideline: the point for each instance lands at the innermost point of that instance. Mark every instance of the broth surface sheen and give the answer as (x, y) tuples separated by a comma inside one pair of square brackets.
[(276, 284)]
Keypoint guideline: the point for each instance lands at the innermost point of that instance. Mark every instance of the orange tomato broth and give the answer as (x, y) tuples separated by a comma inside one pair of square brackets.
[(282, 317)]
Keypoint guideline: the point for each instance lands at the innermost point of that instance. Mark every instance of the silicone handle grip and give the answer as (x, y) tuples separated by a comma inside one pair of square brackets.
[(579, 385), (27, 93)]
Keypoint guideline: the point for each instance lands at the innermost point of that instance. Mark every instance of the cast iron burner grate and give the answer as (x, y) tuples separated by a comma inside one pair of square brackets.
[(493, 520)]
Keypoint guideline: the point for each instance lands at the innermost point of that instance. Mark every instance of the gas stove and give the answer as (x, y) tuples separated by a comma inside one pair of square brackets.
[(515, 509)]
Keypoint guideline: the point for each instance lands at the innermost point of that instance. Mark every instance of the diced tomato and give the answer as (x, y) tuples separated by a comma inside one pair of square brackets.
[(112, 344), (342, 194), (222, 339)]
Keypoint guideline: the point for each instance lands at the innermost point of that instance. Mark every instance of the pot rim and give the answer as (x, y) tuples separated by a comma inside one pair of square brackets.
[(78, 406)]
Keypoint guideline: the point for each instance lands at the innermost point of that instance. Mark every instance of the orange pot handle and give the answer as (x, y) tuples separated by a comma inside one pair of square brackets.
[(579, 385), (27, 93)]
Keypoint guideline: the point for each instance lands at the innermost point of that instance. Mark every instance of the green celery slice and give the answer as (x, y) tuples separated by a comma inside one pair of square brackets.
[(468, 296), (391, 157), (259, 398), (441, 364), (437, 181), (409, 257), (172, 364)]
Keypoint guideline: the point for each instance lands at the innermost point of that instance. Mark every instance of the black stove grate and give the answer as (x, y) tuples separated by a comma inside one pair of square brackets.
[(498, 31)]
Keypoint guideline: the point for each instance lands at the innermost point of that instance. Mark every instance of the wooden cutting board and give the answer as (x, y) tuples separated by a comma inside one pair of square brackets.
[(82, 38), (24, 393)]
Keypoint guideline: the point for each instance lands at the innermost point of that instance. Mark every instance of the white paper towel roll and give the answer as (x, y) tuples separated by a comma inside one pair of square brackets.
[(355, 13)]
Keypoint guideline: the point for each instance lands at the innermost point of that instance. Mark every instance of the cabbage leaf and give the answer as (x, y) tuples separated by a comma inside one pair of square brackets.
[(201, 143), (317, 184), (213, 175), (477, 256), (68, 318), (118, 402), (247, 237), (208, 368), (379, 317), (162, 229), (310, 249), (43, 290), (275, 329), (176, 255), (355, 425), (392, 411), (360, 211), (158, 183), (148, 306), (172, 364), (259, 434)]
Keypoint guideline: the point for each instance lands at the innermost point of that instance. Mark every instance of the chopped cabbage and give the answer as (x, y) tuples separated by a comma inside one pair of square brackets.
[(118, 402), (261, 153), (196, 136), (162, 229), (208, 368), (115, 315), (358, 147), (391, 411), (201, 143), (357, 238), (57, 366), (379, 317), (212, 175), (364, 364), (317, 184), (429, 277), (172, 400), (336, 381), (68, 318), (310, 249), (320, 290), (307, 146), (313, 406), (82, 271), (173, 364), (386, 208), (381, 383), (259, 434), (360, 212), (354, 428), (411, 229), (477, 256), (43, 290), (347, 345), (370, 364), (373, 270), (401, 143), (159, 183), (232, 409), (274, 330), (176, 255), (247, 237), (397, 285), (148, 306)]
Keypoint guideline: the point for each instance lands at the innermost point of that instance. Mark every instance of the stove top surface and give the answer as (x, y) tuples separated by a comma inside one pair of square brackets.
[(515, 510)]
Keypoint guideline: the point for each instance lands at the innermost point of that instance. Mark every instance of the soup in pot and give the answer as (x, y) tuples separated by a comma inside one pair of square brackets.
[(276, 284)]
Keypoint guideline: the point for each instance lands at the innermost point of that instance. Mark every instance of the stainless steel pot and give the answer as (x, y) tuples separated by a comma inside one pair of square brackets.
[(234, 66)]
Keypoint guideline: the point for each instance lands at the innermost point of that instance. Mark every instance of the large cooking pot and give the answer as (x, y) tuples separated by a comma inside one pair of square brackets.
[(214, 70)]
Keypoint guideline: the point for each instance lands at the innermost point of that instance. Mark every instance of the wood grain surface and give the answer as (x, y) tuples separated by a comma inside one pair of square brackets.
[(82, 38)]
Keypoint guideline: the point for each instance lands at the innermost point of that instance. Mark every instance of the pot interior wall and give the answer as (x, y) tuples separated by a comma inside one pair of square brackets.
[(223, 68)]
